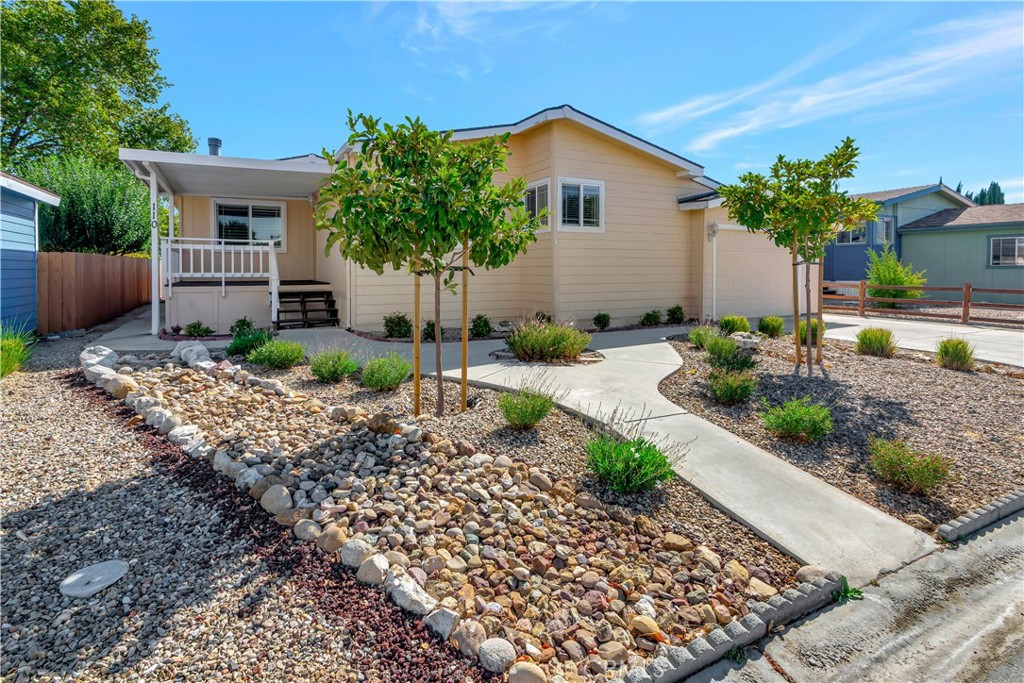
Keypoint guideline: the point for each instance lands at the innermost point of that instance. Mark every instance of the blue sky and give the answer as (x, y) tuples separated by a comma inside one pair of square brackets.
[(926, 89)]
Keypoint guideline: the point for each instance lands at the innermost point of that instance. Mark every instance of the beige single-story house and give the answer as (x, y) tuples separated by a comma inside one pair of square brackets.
[(632, 227)]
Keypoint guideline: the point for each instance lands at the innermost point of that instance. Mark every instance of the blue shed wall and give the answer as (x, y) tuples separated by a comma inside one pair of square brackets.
[(17, 260)]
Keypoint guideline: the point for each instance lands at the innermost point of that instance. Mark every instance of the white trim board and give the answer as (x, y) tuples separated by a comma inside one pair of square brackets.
[(23, 187)]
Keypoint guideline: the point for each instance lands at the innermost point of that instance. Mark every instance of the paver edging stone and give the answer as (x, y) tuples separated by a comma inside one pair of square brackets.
[(979, 518)]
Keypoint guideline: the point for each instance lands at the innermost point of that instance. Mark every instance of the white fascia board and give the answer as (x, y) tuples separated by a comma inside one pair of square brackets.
[(145, 155), (36, 193), (709, 204)]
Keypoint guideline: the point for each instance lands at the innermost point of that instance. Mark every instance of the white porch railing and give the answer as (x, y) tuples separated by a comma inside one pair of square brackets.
[(205, 258)]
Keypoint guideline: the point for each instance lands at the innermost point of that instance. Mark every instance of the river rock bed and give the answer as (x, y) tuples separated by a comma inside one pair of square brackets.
[(512, 565)]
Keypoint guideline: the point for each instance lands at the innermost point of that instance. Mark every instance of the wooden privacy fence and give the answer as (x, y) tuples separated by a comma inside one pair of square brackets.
[(82, 290), (958, 310)]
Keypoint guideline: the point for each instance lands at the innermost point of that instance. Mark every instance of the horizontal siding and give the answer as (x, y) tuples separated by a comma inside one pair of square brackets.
[(18, 288), (952, 258), (17, 205), (17, 233)]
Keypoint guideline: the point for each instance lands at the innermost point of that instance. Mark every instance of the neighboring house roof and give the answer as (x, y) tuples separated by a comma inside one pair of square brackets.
[(16, 184), (902, 194), (970, 217)]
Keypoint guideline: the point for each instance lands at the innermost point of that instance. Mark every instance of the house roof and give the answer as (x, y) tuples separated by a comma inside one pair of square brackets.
[(902, 194), (21, 186), (970, 217), (236, 177)]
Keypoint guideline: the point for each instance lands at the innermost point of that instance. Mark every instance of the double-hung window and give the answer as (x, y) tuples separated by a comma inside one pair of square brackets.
[(1006, 251), (885, 231), (857, 235), (582, 205), (536, 199), (240, 221)]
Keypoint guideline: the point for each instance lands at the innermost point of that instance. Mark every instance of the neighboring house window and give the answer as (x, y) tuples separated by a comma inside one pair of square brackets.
[(856, 236), (886, 231), (239, 221), (582, 205), (1007, 251), (536, 199)]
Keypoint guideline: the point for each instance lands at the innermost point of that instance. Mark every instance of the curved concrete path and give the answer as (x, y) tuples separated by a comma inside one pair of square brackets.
[(813, 521)]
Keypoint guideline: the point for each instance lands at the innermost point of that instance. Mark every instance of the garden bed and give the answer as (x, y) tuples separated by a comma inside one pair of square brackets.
[(973, 418)]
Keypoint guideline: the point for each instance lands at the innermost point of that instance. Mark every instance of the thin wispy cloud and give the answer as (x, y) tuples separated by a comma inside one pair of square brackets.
[(944, 56)]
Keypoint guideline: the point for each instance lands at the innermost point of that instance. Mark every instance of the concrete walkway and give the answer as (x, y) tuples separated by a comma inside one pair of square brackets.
[(991, 344), (811, 520), (134, 335)]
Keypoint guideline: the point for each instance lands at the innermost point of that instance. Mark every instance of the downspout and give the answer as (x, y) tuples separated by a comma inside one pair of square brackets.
[(154, 253), (713, 238)]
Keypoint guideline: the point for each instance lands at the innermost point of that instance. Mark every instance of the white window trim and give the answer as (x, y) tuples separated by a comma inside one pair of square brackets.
[(1018, 246), (863, 229), (880, 232), (283, 249), (540, 183), (580, 228)]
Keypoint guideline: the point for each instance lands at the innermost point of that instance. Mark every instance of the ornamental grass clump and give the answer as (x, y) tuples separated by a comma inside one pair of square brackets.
[(731, 324), (907, 469), (699, 336), (771, 326), (730, 387), (876, 341), (278, 354), (332, 365), (628, 466), (246, 342), (15, 349), (547, 342), (386, 372), (798, 419), (802, 331), (955, 354), (526, 407), (724, 354)]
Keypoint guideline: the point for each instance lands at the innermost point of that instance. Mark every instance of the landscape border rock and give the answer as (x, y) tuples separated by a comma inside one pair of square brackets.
[(979, 518)]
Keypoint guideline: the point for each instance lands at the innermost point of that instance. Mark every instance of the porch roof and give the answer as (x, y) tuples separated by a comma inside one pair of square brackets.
[(217, 176)]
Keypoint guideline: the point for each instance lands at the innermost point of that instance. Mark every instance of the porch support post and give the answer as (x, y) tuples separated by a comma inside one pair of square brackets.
[(170, 216), (154, 248)]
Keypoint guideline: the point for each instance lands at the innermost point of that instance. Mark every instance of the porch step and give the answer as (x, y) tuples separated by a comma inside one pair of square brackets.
[(306, 308)]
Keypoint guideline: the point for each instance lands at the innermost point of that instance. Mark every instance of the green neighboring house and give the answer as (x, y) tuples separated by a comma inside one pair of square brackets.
[(983, 245)]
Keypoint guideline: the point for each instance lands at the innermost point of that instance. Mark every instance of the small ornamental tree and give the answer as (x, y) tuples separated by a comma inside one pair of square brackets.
[(799, 206), (413, 199)]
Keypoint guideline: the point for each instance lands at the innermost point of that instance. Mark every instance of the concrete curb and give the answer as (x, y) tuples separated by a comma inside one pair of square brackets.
[(979, 518), (677, 663)]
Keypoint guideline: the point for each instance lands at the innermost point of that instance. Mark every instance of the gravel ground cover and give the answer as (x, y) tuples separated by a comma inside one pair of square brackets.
[(213, 592), (971, 417)]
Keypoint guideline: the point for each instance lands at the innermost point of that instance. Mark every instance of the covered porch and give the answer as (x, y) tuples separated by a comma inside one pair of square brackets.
[(240, 240)]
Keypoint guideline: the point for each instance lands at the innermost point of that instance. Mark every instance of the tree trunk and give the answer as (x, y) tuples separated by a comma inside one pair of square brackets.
[(807, 315), (821, 303), (439, 409), (796, 303)]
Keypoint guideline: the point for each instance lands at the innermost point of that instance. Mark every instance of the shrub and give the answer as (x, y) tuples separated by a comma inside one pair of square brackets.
[(771, 326), (197, 329), (397, 326), (876, 341), (526, 407), (731, 387), (277, 354), (799, 419), (955, 354), (733, 323), (481, 327), (15, 349), (650, 318), (699, 336), (628, 466), (332, 365), (547, 342), (242, 327), (386, 372), (906, 468), (675, 315), (244, 344), (724, 354), (886, 269), (602, 321), (802, 331), (543, 317), (428, 331)]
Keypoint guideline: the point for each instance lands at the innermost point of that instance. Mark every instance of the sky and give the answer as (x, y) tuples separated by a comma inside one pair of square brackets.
[(927, 90)]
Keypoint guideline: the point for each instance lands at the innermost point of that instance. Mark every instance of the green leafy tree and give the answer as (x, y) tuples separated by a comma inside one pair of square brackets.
[(103, 208), (81, 78), (993, 194), (410, 198), (800, 207)]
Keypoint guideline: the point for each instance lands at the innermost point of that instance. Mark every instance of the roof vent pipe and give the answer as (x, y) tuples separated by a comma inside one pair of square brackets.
[(214, 144)]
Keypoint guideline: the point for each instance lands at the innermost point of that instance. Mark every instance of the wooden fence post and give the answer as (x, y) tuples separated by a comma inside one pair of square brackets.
[(966, 316), (860, 302)]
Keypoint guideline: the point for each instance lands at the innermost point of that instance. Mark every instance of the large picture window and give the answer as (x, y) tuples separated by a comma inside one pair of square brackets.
[(239, 221), (582, 205), (1006, 251)]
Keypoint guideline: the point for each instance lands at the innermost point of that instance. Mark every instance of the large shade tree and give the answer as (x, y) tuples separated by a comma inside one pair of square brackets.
[(81, 78), (799, 205), (409, 198)]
